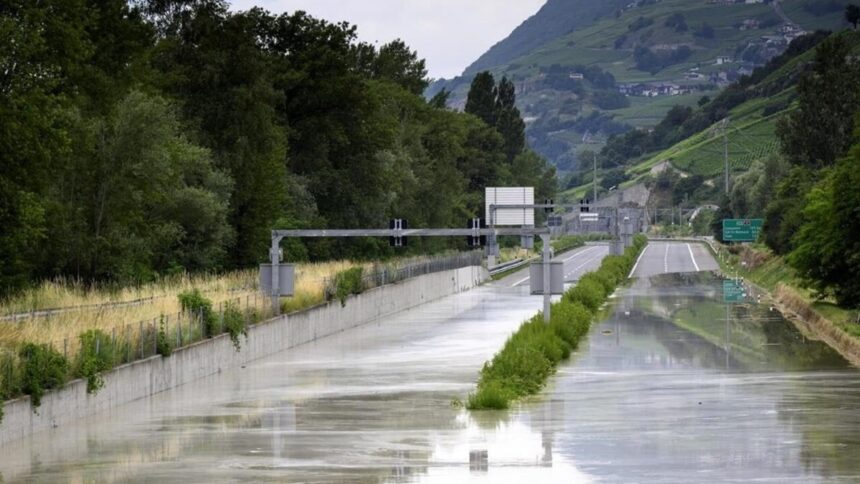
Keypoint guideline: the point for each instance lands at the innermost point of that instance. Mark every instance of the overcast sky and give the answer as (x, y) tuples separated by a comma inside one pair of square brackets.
[(449, 34)]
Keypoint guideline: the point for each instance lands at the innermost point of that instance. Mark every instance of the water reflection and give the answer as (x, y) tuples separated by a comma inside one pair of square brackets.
[(673, 386), (676, 384)]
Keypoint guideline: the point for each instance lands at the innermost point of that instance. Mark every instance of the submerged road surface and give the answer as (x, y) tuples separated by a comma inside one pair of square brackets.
[(673, 386), (576, 263)]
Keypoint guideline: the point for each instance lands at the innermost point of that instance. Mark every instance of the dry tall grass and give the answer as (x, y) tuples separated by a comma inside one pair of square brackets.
[(507, 254), (121, 312)]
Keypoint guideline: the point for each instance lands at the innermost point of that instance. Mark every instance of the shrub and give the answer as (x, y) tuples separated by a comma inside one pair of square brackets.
[(605, 279), (96, 357), (587, 292), (567, 242), (42, 368), (8, 379), (234, 323), (492, 395), (615, 267), (195, 303), (162, 343), (348, 282)]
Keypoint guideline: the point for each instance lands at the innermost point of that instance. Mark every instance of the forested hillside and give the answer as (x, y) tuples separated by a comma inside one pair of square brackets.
[(150, 137)]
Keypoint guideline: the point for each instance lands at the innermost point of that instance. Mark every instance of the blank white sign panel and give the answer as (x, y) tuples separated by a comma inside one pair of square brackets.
[(511, 196)]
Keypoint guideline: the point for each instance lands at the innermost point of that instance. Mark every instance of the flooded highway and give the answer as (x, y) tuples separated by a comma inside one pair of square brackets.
[(674, 385)]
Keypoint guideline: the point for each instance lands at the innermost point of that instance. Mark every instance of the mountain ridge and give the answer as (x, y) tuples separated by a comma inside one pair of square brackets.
[(555, 17)]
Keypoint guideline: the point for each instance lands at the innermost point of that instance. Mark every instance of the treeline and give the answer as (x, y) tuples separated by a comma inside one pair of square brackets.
[(808, 194), (150, 137)]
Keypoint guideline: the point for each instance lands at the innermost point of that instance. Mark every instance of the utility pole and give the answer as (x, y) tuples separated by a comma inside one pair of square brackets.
[(726, 151), (586, 139)]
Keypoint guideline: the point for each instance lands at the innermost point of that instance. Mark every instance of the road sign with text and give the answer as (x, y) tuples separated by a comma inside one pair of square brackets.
[(741, 230), (733, 291)]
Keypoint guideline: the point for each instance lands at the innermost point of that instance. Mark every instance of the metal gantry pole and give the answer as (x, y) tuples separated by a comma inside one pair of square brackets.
[(547, 292), (276, 259)]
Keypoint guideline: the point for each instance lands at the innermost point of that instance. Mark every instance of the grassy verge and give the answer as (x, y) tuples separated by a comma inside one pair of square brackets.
[(79, 308), (768, 271), (99, 329), (534, 351)]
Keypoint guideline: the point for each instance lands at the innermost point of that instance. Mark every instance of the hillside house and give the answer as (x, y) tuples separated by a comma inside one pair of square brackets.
[(653, 90), (723, 59), (750, 24), (692, 75), (576, 76)]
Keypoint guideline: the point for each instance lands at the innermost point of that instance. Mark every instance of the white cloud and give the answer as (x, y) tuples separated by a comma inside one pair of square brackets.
[(449, 34)]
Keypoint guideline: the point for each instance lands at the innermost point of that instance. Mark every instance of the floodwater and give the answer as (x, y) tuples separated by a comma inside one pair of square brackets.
[(666, 389)]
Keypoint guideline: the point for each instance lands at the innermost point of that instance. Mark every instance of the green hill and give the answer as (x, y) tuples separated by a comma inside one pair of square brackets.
[(554, 19), (569, 74), (752, 107)]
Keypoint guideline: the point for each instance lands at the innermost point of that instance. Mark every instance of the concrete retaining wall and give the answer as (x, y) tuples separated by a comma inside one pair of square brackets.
[(157, 374)]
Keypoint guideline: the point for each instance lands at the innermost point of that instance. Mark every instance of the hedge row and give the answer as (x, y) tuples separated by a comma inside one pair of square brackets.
[(534, 351)]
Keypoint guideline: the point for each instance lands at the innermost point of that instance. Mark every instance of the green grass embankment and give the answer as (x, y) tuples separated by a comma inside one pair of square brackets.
[(772, 273), (533, 352)]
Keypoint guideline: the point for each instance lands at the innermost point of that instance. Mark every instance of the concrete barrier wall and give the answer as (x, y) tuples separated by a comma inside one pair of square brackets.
[(157, 374)]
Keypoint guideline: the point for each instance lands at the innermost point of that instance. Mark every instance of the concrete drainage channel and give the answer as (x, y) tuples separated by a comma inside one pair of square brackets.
[(147, 377)]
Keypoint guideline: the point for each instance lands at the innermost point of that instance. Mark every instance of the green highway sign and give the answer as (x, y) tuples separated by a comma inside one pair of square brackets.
[(741, 230), (733, 291)]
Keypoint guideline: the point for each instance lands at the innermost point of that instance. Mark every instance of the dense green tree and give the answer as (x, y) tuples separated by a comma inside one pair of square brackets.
[(783, 216), (509, 122), (481, 100), (142, 138), (724, 212), (396, 63), (813, 136), (440, 99), (821, 129), (223, 79), (140, 199), (40, 44), (613, 178), (827, 244)]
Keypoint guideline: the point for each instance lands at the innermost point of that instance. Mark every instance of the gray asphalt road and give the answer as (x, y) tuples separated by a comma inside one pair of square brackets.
[(576, 263), (673, 257)]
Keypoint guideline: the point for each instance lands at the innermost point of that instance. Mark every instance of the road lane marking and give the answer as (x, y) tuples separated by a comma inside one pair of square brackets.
[(563, 260), (582, 265), (693, 257), (666, 260), (637, 261), (580, 253), (522, 281)]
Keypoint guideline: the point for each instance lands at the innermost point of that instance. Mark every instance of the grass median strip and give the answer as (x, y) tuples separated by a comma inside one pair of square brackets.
[(534, 351)]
